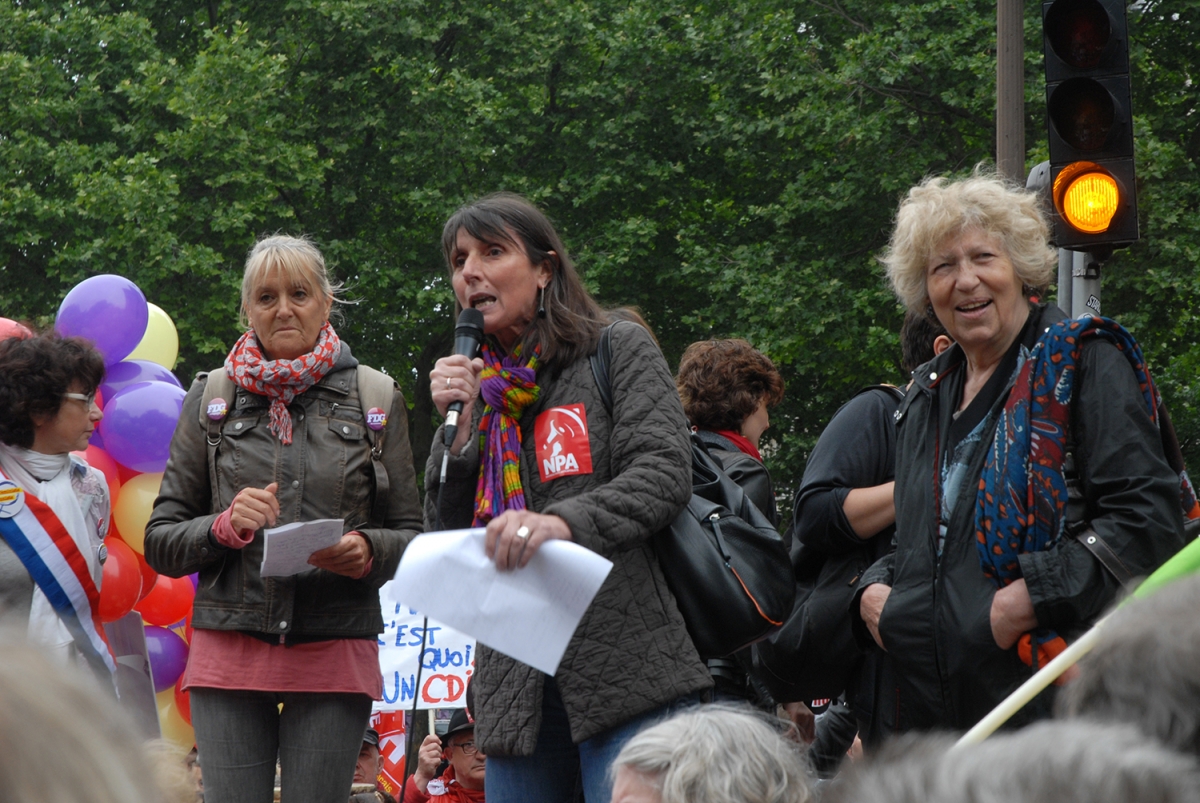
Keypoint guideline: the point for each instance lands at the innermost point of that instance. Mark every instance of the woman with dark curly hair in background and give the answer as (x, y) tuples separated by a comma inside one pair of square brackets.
[(727, 387), (48, 410)]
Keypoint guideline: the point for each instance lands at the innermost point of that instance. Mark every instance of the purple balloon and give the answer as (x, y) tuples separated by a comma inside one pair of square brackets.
[(195, 578), (130, 372), (139, 422), (168, 656), (97, 439), (108, 310)]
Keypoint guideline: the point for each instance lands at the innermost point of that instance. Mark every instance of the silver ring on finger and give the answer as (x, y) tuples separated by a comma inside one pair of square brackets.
[(447, 383), (522, 532)]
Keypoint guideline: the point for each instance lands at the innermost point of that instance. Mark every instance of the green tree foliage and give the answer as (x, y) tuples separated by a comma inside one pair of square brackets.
[(730, 168)]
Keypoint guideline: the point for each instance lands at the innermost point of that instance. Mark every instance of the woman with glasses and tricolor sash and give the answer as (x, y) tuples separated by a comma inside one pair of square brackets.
[(54, 508)]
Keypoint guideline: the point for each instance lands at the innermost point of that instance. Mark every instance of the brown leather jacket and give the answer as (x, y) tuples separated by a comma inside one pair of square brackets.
[(324, 473)]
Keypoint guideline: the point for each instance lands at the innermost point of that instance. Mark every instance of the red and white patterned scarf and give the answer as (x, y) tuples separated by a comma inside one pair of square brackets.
[(281, 380)]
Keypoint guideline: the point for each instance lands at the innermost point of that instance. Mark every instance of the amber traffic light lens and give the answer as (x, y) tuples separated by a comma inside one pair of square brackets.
[(1079, 32), (1089, 201)]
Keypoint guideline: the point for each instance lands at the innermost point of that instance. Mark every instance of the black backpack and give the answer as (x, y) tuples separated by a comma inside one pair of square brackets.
[(724, 562)]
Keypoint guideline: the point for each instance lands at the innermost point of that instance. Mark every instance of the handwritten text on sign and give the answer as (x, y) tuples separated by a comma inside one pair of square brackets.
[(447, 662)]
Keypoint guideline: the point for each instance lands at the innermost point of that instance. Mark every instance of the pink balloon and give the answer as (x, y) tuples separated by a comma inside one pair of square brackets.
[(108, 310), (9, 328), (139, 422)]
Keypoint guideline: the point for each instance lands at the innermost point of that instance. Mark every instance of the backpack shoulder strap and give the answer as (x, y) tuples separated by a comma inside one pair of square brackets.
[(217, 385), (601, 360), (897, 393), (377, 389)]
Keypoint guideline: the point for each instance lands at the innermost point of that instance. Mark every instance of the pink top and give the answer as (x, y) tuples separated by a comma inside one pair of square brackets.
[(227, 659)]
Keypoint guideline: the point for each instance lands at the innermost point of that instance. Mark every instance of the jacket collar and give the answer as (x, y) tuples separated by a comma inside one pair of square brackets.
[(927, 377)]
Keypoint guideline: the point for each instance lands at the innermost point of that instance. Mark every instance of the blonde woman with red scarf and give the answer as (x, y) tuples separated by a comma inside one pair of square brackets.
[(544, 458), (285, 440)]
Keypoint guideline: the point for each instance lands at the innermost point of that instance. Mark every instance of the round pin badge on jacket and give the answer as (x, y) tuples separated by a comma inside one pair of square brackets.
[(12, 499), (376, 419), (217, 409)]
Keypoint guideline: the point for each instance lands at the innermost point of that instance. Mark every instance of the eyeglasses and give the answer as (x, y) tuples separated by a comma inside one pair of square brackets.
[(468, 748), (88, 400)]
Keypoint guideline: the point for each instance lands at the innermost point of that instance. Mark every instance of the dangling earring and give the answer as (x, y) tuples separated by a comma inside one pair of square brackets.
[(541, 310)]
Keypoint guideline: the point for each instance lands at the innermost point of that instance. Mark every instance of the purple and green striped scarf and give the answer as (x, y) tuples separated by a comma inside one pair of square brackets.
[(507, 388)]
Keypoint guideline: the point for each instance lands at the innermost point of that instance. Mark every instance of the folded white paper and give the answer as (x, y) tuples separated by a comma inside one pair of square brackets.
[(528, 614), (286, 549)]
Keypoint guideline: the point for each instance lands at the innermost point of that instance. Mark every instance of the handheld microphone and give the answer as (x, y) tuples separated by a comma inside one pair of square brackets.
[(468, 334)]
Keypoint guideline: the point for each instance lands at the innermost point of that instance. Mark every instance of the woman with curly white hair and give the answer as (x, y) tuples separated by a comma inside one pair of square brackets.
[(711, 754), (1031, 476)]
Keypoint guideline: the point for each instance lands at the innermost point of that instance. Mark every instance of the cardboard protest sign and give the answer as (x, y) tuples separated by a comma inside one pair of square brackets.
[(447, 663)]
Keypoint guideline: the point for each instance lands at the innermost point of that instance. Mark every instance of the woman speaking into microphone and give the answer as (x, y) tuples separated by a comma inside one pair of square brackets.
[(537, 457)]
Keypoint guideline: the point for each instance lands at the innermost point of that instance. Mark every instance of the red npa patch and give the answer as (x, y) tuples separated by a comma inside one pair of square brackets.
[(562, 442)]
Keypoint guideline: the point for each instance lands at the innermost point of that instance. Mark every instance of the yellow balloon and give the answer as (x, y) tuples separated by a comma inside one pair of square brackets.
[(160, 344), (133, 507), (174, 728)]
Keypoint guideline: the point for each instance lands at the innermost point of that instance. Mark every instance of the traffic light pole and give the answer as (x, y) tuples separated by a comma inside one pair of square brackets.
[(1085, 283), (1010, 88), (1066, 262)]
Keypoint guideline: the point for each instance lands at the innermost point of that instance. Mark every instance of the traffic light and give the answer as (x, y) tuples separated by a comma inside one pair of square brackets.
[(1089, 123)]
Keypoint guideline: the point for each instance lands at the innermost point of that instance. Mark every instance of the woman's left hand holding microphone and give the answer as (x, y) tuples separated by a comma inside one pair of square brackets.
[(515, 535), (456, 379)]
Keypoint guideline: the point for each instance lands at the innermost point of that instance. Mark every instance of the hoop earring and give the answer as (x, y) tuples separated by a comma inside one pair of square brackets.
[(541, 310)]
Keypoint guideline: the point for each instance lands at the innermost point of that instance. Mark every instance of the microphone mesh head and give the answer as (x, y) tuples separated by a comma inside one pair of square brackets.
[(470, 317)]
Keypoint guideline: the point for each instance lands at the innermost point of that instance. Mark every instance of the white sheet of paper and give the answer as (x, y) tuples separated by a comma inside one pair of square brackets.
[(528, 614), (286, 549)]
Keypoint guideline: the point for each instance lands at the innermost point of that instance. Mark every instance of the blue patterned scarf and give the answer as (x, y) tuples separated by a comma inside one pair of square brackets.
[(1022, 500)]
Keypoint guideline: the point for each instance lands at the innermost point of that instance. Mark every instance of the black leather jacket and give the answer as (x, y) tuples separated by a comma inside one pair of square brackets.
[(743, 469), (324, 473), (936, 623)]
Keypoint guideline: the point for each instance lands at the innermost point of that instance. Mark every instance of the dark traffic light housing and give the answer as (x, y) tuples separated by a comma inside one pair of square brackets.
[(1089, 124)]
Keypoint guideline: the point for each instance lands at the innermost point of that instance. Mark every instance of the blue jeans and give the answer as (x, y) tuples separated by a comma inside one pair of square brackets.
[(316, 737), (559, 769)]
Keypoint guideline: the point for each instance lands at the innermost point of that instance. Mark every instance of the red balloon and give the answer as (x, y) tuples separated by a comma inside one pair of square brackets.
[(9, 328), (183, 701), (168, 602), (149, 576), (100, 460), (122, 582), (126, 474)]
